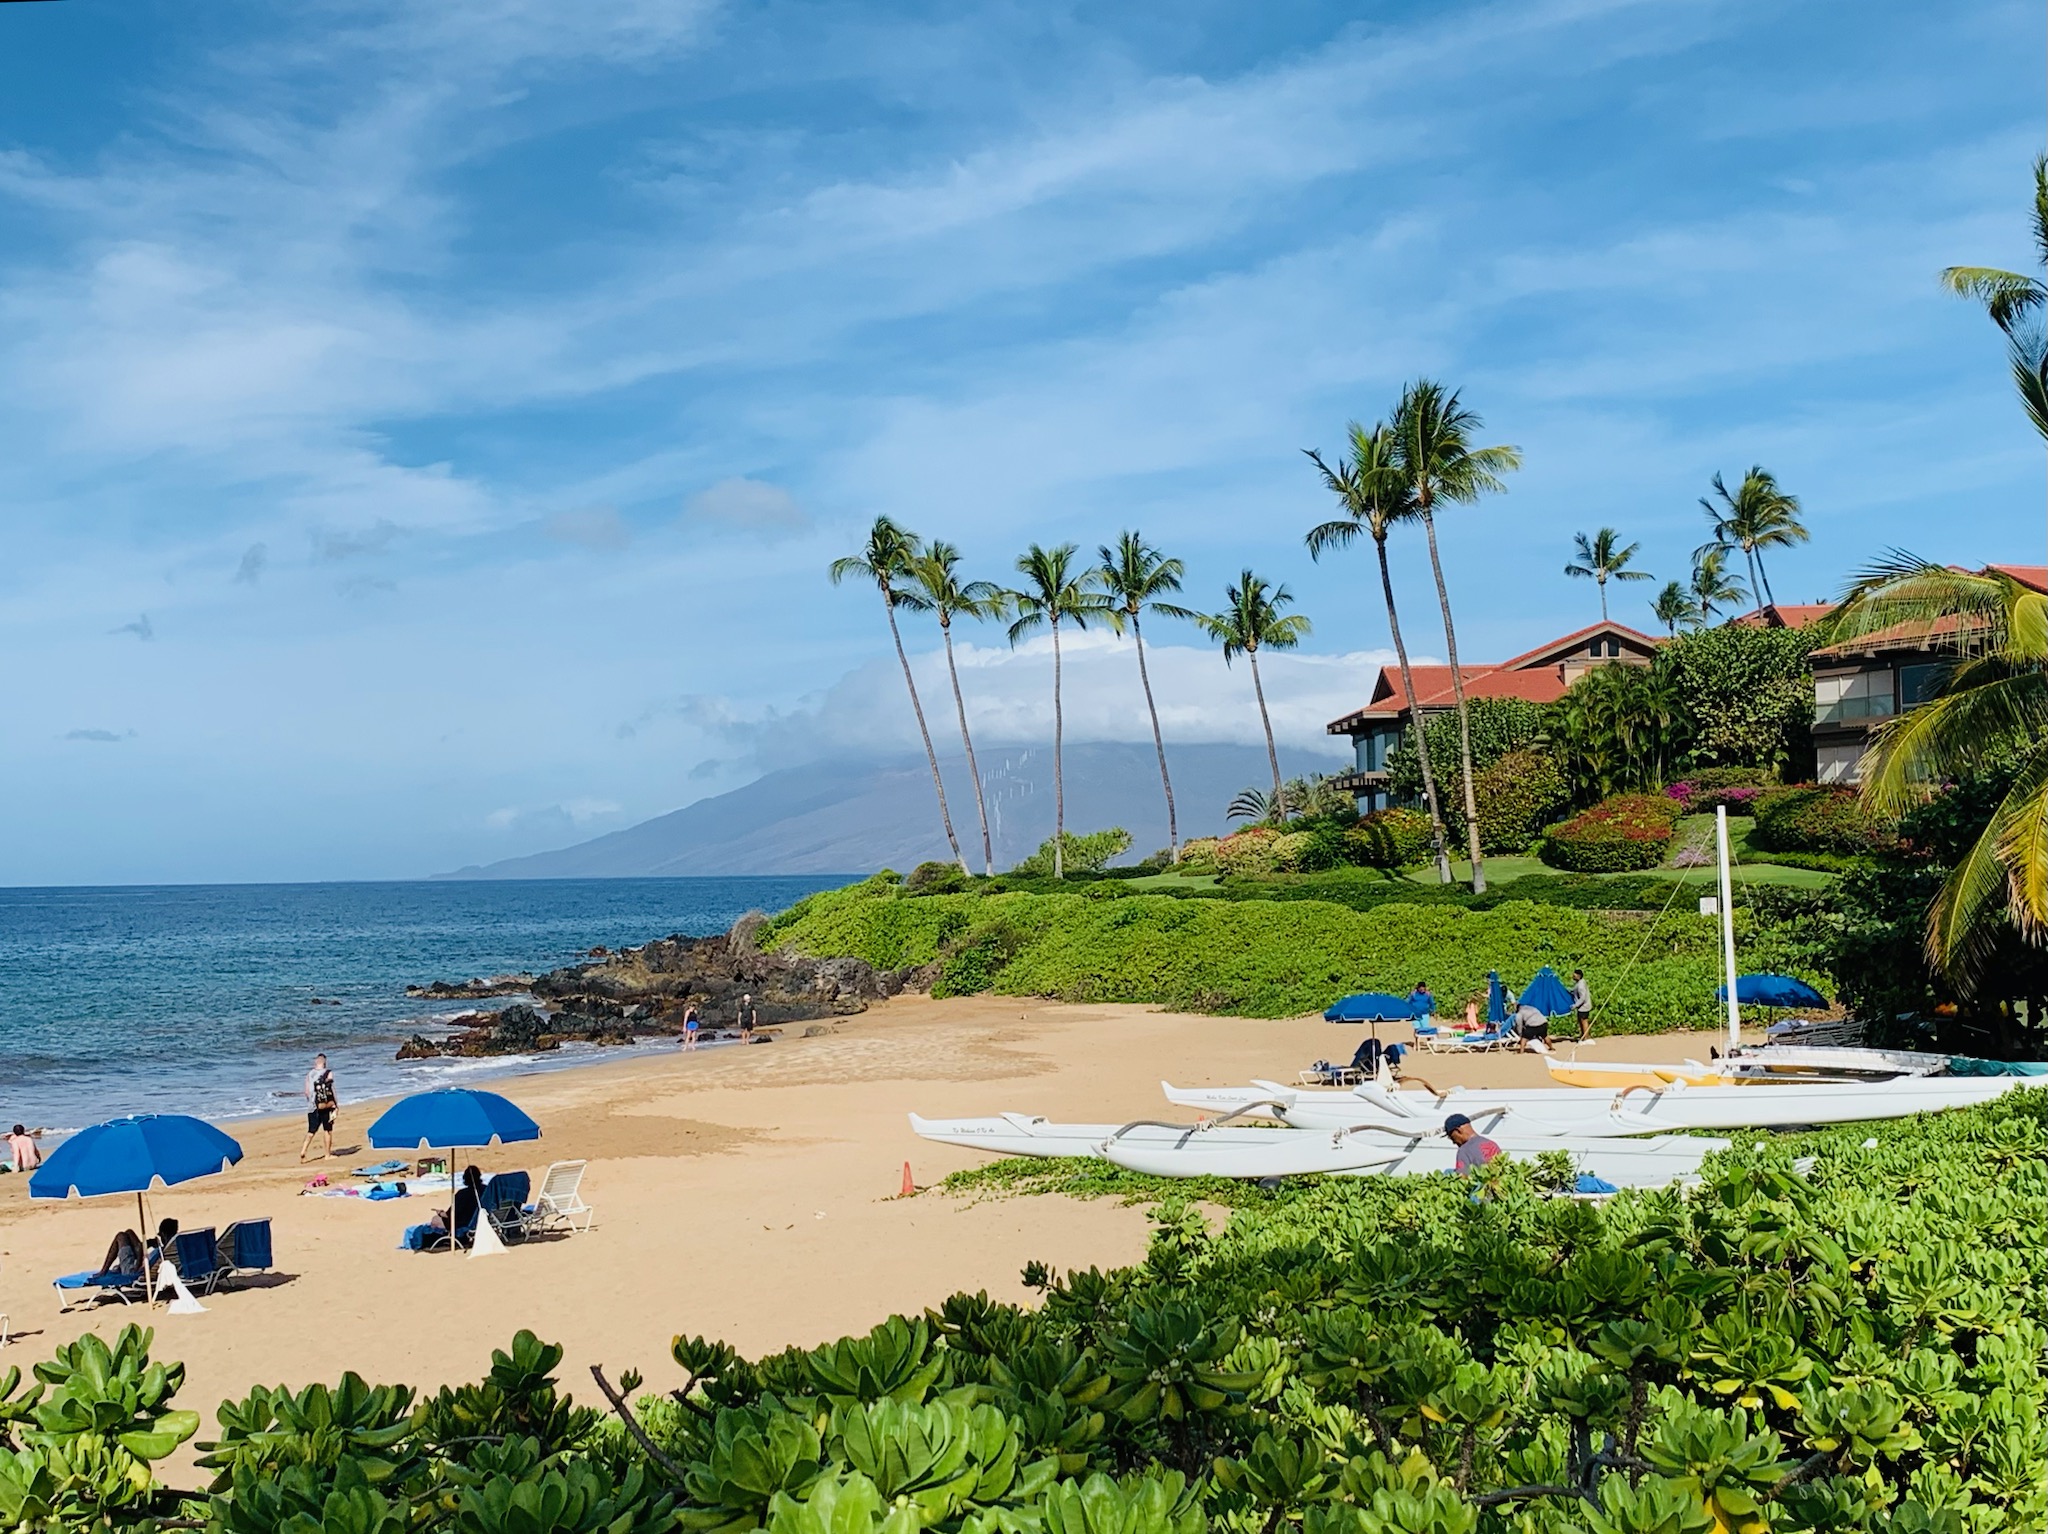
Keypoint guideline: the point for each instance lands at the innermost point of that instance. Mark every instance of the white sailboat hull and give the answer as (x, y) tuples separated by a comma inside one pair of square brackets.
[(1022, 1134), (1576, 1111), (1652, 1163)]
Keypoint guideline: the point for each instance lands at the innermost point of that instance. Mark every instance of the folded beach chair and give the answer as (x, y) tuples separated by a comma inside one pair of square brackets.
[(197, 1255), (560, 1205), (243, 1248)]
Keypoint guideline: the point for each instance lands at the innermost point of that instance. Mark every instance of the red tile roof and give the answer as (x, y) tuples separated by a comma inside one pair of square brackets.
[(2035, 576), (1535, 676), (1790, 615), (1549, 652)]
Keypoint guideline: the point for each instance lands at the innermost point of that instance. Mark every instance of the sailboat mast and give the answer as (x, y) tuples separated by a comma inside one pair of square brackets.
[(1727, 926)]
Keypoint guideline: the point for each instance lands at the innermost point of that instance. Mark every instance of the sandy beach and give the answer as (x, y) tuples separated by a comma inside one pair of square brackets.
[(742, 1193)]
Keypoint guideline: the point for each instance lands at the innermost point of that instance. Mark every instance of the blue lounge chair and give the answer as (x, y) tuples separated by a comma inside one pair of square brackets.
[(505, 1197), (89, 1288), (244, 1248), (197, 1255)]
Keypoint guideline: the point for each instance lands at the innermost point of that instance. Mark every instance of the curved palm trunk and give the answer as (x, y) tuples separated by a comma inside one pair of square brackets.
[(988, 854), (1272, 755), (931, 756), (1059, 783), (1756, 588), (1443, 597), (1436, 815), (1603, 597), (1765, 576), (1158, 742)]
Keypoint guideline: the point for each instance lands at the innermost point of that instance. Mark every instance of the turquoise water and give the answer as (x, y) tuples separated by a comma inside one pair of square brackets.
[(200, 998)]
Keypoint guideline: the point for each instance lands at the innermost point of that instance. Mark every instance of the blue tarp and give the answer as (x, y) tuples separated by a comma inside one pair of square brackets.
[(1370, 1007), (1964, 1065), (1547, 994), (450, 1118), (1772, 991), (130, 1155)]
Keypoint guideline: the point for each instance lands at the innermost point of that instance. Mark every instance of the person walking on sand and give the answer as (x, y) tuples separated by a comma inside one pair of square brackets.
[(1582, 1003), (690, 1026), (21, 1145), (319, 1108)]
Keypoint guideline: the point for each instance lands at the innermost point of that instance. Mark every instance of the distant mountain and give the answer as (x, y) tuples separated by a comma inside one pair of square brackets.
[(851, 817)]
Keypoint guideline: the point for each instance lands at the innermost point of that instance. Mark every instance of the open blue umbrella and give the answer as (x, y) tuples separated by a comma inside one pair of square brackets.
[(1772, 991), (1370, 1007), (133, 1155), (452, 1119), (1496, 1000), (1548, 994)]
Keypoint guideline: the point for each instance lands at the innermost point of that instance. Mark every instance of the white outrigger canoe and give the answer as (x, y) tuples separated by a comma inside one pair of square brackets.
[(1359, 1150), (1381, 1150), (1631, 1111)]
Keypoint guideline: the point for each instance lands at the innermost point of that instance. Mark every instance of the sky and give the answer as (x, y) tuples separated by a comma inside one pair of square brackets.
[(426, 428)]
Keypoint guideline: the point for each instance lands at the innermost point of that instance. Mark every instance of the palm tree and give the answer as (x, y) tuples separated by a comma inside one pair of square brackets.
[(885, 559), (1994, 705), (936, 588), (1134, 576), (1433, 449), (1599, 560), (2016, 303), (1712, 586), (1674, 605), (1369, 487), (1251, 621), (1055, 592), (1756, 516)]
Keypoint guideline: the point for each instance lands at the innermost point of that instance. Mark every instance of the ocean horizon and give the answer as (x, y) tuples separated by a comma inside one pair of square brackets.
[(213, 998)]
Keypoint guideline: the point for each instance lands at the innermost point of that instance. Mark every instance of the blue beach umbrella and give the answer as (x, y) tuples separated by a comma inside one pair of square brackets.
[(1496, 999), (133, 1155), (452, 1119), (1772, 991), (1370, 1007), (1547, 994)]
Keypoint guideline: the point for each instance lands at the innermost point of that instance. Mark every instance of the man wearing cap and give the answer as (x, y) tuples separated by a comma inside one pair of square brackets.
[(1474, 1149)]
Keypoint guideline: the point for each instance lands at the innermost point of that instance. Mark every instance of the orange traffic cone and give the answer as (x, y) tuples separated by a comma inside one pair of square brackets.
[(909, 1187)]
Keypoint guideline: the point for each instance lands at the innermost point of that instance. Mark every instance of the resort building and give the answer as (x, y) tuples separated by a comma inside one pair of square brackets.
[(1860, 683), (1540, 675)]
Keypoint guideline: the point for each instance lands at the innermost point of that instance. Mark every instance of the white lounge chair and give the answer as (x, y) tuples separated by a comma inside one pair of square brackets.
[(560, 1204)]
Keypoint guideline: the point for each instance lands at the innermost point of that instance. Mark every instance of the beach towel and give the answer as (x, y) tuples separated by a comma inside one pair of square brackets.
[(1588, 1183), (380, 1171)]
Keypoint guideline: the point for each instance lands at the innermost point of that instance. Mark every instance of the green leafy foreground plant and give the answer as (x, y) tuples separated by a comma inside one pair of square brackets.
[(1850, 1342)]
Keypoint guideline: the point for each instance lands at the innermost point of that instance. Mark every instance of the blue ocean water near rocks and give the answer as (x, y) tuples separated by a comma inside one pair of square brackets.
[(201, 998)]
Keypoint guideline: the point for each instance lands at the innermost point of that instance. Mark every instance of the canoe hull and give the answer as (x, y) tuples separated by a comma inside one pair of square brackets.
[(1652, 1163)]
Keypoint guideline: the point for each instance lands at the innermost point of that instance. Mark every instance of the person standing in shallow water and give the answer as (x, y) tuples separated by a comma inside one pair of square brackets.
[(319, 1108)]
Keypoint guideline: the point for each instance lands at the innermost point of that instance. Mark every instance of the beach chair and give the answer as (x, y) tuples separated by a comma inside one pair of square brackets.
[(243, 1248), (561, 1205), (197, 1254), (505, 1201), (90, 1288)]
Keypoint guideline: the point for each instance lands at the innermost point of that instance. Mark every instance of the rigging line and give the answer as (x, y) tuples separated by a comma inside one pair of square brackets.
[(1677, 886)]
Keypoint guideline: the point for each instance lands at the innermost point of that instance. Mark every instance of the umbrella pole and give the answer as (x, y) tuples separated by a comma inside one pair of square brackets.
[(142, 1233)]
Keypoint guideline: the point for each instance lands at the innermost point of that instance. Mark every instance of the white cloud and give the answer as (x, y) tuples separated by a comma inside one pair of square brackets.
[(750, 506), (594, 527)]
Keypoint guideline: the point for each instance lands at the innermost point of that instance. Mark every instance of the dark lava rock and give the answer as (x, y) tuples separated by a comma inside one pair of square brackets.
[(472, 990)]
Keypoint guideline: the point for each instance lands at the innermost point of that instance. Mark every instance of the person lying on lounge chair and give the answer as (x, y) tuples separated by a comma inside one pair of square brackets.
[(126, 1254), (468, 1199)]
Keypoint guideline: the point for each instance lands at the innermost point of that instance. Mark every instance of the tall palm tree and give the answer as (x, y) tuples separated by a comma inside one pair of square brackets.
[(1712, 586), (2016, 303), (1755, 516), (1993, 705), (1135, 576), (1056, 592), (1374, 497), (935, 588), (1674, 605), (1252, 621), (1433, 448), (886, 559), (1602, 561)]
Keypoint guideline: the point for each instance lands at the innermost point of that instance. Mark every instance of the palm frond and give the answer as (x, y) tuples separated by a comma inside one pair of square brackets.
[(2022, 825), (2030, 376), (2008, 297), (1331, 535), (1949, 736)]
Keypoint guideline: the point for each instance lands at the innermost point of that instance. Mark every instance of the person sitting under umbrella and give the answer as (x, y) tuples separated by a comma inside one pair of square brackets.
[(126, 1254), (468, 1199)]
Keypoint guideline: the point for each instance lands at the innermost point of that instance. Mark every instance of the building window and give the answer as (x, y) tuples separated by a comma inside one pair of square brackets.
[(1919, 683), (1852, 699), (1839, 764)]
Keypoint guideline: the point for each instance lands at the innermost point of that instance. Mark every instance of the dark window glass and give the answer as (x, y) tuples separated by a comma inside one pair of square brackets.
[(1919, 683)]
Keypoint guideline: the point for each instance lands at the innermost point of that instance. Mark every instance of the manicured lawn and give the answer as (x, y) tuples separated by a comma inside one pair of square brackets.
[(1170, 882)]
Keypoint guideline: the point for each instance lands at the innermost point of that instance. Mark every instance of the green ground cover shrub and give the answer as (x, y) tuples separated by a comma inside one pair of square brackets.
[(1268, 957), (1848, 1345), (1628, 831), (1813, 817)]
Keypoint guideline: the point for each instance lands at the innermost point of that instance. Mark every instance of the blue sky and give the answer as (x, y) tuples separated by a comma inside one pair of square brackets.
[(427, 426)]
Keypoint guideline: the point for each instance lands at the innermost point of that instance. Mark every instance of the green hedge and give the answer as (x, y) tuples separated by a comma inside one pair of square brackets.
[(1812, 817), (1264, 957), (1617, 835), (1393, 838), (1518, 796)]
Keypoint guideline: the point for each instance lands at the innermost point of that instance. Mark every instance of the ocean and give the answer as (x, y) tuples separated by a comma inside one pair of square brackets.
[(213, 999)]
